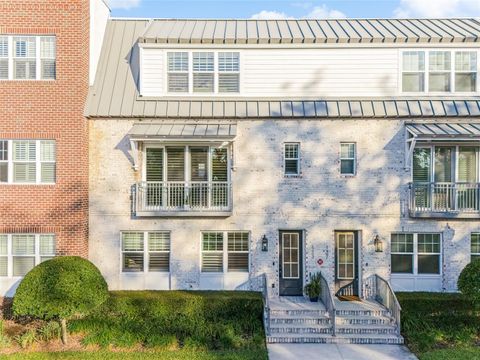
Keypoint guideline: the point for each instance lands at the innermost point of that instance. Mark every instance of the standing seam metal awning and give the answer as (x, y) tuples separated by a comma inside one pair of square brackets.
[(444, 131), (438, 132), (178, 132), (191, 131)]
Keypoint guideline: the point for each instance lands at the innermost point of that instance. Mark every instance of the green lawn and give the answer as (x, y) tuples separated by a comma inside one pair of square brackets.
[(440, 326), (160, 355)]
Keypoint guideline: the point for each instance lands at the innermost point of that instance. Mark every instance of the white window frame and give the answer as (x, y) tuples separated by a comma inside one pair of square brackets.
[(224, 252), (38, 257), (285, 158), (455, 157), (472, 254), (187, 158), (38, 163), (146, 252), (190, 91), (427, 72), (416, 253), (338, 256), (354, 158), (38, 59)]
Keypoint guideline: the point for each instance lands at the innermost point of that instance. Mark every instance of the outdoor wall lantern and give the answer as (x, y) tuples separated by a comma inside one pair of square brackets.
[(378, 244), (264, 243)]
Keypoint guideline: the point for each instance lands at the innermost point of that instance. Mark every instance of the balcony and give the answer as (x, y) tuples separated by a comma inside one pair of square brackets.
[(181, 198), (444, 200)]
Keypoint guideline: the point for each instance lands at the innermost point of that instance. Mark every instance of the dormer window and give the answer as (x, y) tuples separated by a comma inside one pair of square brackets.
[(203, 72), (437, 71)]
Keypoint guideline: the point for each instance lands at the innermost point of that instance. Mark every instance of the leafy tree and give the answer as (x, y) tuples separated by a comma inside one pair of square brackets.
[(61, 289), (469, 282)]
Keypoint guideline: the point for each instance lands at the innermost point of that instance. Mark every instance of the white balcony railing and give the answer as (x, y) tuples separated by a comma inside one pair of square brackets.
[(164, 198), (444, 199)]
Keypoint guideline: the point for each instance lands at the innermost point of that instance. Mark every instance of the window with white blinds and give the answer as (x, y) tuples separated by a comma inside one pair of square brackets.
[(20, 253), (28, 161), (47, 57), (27, 57), (228, 72), (446, 164), (225, 252), (206, 163), (145, 251), (178, 72), (439, 71), (4, 55), (203, 72)]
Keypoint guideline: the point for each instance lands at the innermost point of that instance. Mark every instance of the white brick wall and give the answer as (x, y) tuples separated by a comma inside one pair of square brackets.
[(319, 202)]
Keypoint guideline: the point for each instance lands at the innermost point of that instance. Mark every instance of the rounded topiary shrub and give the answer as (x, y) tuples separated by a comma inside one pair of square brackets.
[(61, 288), (469, 282)]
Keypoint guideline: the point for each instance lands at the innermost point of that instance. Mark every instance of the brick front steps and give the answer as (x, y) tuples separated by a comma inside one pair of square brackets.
[(295, 320)]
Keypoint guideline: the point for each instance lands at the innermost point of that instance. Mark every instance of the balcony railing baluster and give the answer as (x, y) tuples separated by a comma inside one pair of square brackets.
[(183, 196), (444, 198)]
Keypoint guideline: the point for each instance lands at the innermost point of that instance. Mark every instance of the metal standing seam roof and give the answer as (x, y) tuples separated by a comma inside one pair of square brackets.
[(189, 130), (194, 31), (114, 94), (444, 130)]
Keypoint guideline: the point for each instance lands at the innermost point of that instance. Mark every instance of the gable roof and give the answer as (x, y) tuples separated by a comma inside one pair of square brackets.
[(115, 94), (311, 31)]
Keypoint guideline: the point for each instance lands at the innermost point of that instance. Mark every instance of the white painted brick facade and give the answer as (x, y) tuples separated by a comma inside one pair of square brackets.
[(319, 201)]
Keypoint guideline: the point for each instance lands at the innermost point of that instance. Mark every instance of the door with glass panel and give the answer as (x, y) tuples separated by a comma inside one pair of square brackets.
[(346, 270), (468, 193), (291, 263)]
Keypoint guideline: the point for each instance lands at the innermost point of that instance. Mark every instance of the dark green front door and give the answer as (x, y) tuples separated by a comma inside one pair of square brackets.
[(291, 263)]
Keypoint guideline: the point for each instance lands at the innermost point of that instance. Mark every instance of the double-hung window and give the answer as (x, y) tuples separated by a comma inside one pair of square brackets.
[(145, 251), (413, 71), (225, 252), (292, 159), (347, 159), (19, 253), (465, 71), (228, 72), (439, 71), (416, 254), (28, 161), (475, 246), (203, 72), (47, 57), (178, 72), (25, 57), (440, 66), (4, 57)]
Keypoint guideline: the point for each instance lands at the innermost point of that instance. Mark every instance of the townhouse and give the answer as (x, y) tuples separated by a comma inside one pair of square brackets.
[(45, 59), (221, 150)]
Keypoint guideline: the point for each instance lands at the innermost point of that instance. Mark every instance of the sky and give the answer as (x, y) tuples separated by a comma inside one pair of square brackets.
[(282, 9)]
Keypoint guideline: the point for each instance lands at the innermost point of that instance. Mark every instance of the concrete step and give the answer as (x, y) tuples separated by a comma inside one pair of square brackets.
[(379, 312), (366, 329), (363, 320), (295, 320), (339, 339), (300, 329), (298, 313)]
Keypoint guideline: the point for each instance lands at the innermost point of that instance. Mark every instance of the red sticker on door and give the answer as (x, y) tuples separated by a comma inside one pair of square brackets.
[(320, 262)]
